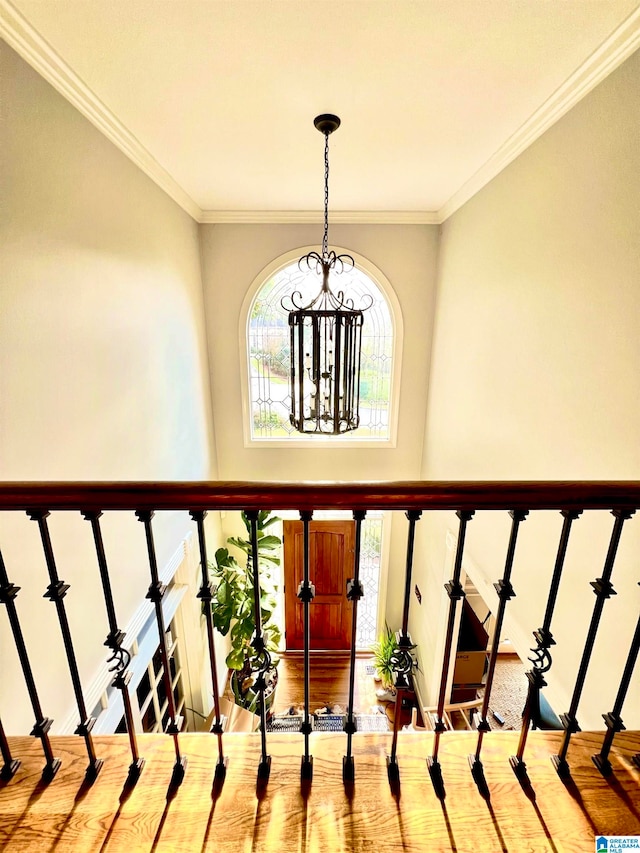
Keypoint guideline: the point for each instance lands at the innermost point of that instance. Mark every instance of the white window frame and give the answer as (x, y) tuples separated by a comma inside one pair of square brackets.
[(300, 440)]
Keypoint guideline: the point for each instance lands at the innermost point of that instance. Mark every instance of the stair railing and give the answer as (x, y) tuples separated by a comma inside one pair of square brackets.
[(519, 499)]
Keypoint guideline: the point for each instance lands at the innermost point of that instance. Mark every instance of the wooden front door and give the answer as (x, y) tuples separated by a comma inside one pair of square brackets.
[(331, 545)]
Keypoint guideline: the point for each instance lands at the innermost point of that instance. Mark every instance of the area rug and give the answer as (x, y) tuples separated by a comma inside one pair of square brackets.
[(508, 694)]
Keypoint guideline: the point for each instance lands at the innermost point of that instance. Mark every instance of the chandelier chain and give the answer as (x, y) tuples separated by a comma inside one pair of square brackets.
[(325, 239)]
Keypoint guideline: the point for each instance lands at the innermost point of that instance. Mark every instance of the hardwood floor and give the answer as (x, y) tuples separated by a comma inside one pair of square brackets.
[(62, 817), (329, 683)]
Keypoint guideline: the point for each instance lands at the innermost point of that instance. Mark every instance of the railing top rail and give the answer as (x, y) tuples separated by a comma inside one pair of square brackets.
[(247, 495)]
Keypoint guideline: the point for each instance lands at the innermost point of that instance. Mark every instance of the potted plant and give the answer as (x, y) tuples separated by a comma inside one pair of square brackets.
[(383, 650), (233, 608), (386, 659)]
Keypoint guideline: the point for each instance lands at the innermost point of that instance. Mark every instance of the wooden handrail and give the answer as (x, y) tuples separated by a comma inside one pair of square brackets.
[(247, 495)]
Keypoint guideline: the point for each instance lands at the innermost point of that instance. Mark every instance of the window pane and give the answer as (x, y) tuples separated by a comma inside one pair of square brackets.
[(269, 351), (162, 693), (177, 694), (157, 661), (143, 689), (149, 719)]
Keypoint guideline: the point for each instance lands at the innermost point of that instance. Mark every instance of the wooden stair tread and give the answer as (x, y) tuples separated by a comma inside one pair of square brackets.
[(35, 817)]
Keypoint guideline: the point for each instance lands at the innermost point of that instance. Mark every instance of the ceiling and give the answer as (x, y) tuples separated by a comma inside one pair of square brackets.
[(215, 99)]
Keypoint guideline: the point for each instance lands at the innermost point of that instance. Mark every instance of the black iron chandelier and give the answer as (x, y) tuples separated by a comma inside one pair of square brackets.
[(325, 336)]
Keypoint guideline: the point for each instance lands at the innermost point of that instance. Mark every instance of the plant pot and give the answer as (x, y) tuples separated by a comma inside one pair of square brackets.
[(245, 694)]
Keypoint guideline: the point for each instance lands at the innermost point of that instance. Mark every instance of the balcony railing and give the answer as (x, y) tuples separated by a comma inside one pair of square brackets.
[(414, 499)]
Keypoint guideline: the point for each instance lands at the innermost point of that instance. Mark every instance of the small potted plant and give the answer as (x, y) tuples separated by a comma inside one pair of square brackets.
[(389, 656), (383, 650), (233, 609)]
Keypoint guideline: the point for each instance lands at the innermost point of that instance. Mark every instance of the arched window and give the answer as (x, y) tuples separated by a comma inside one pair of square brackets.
[(268, 355)]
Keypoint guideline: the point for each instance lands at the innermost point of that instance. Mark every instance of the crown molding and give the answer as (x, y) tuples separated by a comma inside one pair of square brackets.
[(348, 217), (34, 49), (622, 42)]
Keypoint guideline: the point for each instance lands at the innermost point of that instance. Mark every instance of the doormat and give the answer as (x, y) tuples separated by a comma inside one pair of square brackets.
[(329, 723), (372, 722), (289, 723)]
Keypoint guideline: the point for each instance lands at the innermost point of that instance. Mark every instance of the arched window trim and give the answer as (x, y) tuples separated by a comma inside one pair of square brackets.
[(385, 286)]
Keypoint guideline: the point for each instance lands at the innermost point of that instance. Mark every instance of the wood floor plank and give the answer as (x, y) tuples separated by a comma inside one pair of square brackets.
[(559, 818), (329, 684)]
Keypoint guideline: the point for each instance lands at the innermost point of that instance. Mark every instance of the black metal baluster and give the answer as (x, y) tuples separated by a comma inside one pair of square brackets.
[(613, 720), (11, 764), (603, 589), (402, 661), (261, 662), (306, 593), (505, 592), (542, 657), (206, 594), (8, 593), (120, 657), (455, 593), (355, 591), (56, 592), (155, 595)]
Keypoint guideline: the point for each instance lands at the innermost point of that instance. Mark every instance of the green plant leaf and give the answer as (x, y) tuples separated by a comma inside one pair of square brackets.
[(221, 619), (245, 609), (223, 592), (235, 658), (268, 541), (242, 544)]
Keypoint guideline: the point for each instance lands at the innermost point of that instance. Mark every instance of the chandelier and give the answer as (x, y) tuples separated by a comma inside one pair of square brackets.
[(325, 336)]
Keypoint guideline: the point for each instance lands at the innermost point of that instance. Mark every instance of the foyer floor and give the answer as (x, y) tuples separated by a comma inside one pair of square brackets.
[(329, 683)]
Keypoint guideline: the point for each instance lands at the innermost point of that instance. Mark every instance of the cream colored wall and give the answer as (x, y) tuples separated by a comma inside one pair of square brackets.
[(102, 366), (535, 373)]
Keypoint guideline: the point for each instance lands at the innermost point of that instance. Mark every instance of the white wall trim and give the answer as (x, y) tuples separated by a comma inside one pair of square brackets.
[(337, 217), (103, 677), (35, 50), (622, 42)]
